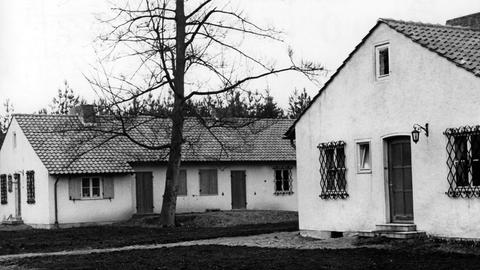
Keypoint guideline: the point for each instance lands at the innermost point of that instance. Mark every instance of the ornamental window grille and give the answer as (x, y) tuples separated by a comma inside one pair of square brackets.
[(332, 170), (3, 188), (30, 187), (283, 180), (463, 161)]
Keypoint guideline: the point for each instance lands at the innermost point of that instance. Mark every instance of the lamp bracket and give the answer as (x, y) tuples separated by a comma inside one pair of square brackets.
[(419, 128)]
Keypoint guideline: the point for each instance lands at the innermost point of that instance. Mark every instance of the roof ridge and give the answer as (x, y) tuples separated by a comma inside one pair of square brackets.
[(437, 25)]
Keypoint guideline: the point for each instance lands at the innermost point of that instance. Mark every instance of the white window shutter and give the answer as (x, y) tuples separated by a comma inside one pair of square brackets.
[(108, 188), (74, 188)]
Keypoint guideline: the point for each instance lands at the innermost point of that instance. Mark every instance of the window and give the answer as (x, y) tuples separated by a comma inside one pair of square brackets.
[(14, 138), (182, 183), (332, 170), (3, 188), (91, 187), (283, 180), (30, 187), (382, 59), (208, 182), (463, 149), (364, 158)]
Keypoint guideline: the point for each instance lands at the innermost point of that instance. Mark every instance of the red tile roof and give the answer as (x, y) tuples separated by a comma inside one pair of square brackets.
[(65, 146), (460, 45)]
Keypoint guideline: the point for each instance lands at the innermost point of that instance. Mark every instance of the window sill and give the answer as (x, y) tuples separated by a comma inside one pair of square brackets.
[(334, 195), (364, 172), (206, 195), (91, 199), (464, 192), (283, 193)]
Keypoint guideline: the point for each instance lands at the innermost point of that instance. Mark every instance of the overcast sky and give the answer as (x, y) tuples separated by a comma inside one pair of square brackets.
[(44, 42)]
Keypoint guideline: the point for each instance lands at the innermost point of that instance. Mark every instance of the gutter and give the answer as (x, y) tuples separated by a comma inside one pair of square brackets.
[(56, 204)]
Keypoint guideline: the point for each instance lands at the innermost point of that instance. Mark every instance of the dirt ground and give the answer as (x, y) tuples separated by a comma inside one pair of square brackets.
[(24, 241), (219, 218), (222, 257)]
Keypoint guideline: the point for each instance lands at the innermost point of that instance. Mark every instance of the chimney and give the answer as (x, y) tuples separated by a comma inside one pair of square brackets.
[(86, 113), (470, 21)]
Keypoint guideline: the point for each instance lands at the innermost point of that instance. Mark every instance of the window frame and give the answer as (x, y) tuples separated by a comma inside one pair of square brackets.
[(90, 186), (202, 192), (186, 181), (283, 180), (463, 166), (3, 189), (30, 187), (333, 176), (359, 158), (378, 48)]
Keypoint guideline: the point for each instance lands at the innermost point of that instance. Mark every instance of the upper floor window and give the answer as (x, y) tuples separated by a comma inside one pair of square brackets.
[(382, 61), (332, 170), (283, 180), (14, 140)]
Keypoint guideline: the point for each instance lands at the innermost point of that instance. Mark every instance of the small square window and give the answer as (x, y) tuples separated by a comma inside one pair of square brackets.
[(382, 59), (364, 159)]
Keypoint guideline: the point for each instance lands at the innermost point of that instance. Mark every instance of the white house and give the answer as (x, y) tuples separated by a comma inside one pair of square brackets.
[(61, 170), (359, 169)]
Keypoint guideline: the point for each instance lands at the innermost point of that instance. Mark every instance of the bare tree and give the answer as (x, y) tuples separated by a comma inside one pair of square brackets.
[(5, 119), (191, 48)]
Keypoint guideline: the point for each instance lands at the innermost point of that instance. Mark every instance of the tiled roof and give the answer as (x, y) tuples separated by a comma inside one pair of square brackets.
[(460, 45), (66, 146)]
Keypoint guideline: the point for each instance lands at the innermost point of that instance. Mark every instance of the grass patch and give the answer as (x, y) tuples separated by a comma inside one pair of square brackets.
[(223, 257)]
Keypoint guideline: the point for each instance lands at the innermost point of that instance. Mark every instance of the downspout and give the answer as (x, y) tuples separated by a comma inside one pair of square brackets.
[(55, 200)]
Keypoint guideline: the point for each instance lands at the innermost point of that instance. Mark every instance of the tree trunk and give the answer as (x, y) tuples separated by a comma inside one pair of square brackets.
[(170, 195)]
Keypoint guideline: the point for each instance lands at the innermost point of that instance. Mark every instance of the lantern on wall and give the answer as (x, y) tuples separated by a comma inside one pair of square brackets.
[(416, 132)]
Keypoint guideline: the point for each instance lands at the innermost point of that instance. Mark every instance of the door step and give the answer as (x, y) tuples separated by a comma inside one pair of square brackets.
[(396, 227), (12, 222), (395, 235), (394, 230)]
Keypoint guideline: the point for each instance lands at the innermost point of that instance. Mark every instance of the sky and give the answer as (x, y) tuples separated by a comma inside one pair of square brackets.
[(45, 42)]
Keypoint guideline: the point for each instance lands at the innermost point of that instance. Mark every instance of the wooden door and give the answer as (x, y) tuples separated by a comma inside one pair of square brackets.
[(18, 195), (144, 191), (239, 190), (400, 180)]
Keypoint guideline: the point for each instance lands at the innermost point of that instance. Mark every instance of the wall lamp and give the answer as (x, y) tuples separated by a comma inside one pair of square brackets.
[(416, 132)]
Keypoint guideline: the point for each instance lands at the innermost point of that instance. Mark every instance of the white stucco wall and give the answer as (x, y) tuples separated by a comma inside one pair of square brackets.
[(21, 159), (121, 207), (422, 87), (259, 186)]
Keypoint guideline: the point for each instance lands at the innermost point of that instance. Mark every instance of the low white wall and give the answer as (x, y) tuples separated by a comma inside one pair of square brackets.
[(21, 159)]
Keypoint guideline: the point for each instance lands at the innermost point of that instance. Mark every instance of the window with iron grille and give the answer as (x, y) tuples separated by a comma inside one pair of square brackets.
[(30, 187), (283, 180), (463, 149), (3, 188), (332, 170)]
